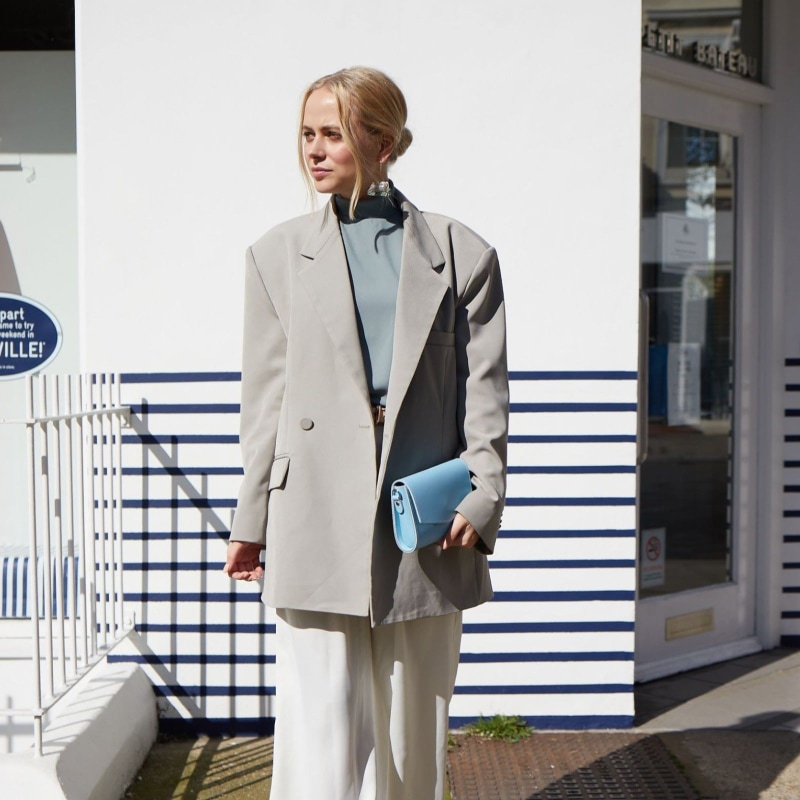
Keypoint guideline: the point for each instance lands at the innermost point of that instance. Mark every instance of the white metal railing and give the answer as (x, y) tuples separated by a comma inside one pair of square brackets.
[(73, 425)]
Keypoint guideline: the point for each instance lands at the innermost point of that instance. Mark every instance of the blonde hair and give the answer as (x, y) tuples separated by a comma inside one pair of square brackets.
[(367, 99)]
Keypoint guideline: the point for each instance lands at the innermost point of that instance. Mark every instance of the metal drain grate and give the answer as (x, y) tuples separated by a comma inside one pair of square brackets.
[(566, 766)]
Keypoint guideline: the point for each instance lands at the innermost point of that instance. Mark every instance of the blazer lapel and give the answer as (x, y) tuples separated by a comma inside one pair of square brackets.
[(419, 296), (327, 281)]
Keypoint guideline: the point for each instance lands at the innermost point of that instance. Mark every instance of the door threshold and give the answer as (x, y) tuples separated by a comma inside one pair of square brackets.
[(652, 670)]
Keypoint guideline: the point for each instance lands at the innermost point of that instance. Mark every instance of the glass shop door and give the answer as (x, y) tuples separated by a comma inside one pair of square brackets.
[(696, 555)]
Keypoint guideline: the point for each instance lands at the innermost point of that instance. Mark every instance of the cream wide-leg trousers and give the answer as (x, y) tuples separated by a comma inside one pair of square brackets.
[(362, 712)]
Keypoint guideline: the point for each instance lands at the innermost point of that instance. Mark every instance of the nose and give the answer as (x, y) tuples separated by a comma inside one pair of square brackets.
[(314, 150)]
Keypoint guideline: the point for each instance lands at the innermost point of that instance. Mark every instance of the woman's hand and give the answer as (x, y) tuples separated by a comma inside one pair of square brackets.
[(461, 534), (243, 562)]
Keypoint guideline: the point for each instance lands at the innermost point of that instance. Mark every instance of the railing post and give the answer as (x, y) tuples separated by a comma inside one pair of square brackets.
[(69, 513), (47, 547), (116, 400), (55, 402), (89, 534), (33, 571)]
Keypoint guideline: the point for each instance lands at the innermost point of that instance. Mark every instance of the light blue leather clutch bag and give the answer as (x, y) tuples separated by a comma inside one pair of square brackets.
[(424, 504)]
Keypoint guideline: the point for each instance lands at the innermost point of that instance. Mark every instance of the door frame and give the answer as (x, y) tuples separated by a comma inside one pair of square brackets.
[(689, 95)]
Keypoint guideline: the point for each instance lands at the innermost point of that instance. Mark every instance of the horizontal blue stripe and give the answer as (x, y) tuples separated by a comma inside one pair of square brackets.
[(193, 727), (609, 563), (791, 514), (587, 722), (571, 501), (576, 375), (790, 641), (618, 469), (586, 688), (791, 464), (205, 627), (214, 566), (174, 566), (182, 471), (185, 408), (179, 377), (165, 536), (599, 533), (547, 597), (793, 387), (516, 658), (191, 502), (790, 615), (192, 597), (791, 564), (791, 589), (792, 412), (792, 439), (514, 375), (571, 439), (184, 438), (792, 362), (202, 658), (548, 408), (791, 538), (177, 690), (791, 489), (608, 626)]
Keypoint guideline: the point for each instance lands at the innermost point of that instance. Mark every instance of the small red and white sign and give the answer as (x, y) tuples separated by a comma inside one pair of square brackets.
[(652, 564)]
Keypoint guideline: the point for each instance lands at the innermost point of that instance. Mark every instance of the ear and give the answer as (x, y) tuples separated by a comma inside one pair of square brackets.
[(385, 149)]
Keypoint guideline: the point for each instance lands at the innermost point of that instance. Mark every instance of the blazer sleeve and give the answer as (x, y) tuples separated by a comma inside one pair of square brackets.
[(263, 386), (482, 373)]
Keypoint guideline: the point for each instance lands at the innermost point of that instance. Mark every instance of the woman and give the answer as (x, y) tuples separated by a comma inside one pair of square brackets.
[(374, 347)]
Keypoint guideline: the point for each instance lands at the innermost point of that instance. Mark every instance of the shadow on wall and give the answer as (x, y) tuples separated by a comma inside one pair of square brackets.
[(201, 637), (9, 282)]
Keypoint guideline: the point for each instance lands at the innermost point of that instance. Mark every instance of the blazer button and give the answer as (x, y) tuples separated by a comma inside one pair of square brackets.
[(306, 424)]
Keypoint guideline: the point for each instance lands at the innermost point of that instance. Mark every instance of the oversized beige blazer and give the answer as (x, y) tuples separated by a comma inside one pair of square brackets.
[(314, 490)]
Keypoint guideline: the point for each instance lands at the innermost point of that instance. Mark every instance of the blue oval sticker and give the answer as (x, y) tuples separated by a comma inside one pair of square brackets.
[(30, 336)]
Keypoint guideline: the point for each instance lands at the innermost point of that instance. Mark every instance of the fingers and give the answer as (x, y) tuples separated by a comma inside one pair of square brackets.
[(243, 562), (244, 571), (461, 534)]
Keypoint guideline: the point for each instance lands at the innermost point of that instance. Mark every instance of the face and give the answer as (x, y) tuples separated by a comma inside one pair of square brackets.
[(330, 163)]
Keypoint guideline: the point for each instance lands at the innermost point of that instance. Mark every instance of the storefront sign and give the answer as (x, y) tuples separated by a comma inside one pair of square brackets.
[(30, 336), (734, 62)]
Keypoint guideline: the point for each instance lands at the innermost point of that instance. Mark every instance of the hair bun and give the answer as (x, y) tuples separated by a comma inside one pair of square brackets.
[(403, 142)]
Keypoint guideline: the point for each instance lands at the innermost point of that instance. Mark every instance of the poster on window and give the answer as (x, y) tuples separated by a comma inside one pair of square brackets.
[(683, 383)]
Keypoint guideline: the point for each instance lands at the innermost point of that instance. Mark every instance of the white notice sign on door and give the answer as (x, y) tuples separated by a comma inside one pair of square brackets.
[(683, 383)]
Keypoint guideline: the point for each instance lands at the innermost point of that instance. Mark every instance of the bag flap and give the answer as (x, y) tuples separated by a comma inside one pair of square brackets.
[(434, 493)]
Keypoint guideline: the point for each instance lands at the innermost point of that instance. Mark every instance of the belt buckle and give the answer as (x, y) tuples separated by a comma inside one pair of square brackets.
[(378, 414)]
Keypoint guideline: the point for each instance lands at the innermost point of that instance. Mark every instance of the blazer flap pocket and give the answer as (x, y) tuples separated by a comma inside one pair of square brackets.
[(277, 475), (442, 338)]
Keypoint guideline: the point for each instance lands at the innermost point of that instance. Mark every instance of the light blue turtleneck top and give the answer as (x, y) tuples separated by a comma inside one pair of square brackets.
[(373, 243)]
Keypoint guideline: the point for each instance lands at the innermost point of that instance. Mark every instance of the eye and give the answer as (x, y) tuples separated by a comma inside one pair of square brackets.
[(308, 135), (334, 135)]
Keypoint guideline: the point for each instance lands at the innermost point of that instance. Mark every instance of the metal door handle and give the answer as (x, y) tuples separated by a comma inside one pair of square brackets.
[(642, 417)]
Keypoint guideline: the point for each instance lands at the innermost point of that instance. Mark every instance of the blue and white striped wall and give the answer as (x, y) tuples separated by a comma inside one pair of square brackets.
[(790, 607), (556, 643)]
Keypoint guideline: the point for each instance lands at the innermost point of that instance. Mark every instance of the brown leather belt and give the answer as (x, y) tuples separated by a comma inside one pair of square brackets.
[(378, 414)]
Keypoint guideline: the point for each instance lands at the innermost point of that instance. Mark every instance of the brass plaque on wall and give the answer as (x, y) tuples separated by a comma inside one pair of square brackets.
[(689, 624)]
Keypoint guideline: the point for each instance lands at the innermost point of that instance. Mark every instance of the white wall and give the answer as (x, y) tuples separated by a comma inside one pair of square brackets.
[(526, 124), (38, 246)]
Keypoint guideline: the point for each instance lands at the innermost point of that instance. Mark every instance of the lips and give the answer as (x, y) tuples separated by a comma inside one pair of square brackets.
[(317, 172)]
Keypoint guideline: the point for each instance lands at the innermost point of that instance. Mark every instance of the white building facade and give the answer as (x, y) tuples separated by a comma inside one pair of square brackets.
[(642, 204)]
